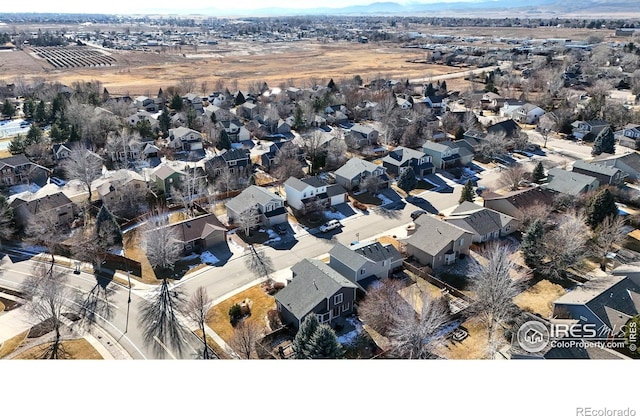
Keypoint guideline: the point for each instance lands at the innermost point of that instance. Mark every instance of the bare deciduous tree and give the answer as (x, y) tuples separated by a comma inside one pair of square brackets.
[(191, 185), (379, 309), (564, 245), (495, 287), (197, 310), (244, 338), (512, 177), (535, 211), (336, 152), (49, 299), (608, 234), (248, 219), (287, 162), (83, 165), (45, 230), (160, 242), (313, 147)]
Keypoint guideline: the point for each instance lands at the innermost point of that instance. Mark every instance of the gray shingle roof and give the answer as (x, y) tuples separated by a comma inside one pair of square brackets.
[(401, 155), (569, 183), (314, 181), (296, 184), (42, 204), (315, 281), (377, 252), (433, 235), (348, 257), (333, 190), (479, 219), (354, 167), (596, 168), (630, 159), (436, 147), (251, 196)]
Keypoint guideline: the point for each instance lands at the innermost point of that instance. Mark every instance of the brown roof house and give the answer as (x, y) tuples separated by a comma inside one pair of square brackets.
[(57, 204), (514, 202), (204, 233)]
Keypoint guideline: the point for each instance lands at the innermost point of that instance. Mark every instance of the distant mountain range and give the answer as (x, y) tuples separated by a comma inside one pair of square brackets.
[(516, 8)]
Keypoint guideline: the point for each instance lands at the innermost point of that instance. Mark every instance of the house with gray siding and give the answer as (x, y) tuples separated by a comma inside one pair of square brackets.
[(364, 260), (269, 207), (606, 175), (402, 158), (315, 288), (353, 173), (200, 234), (302, 193), (485, 224), (570, 183), (436, 243), (628, 163)]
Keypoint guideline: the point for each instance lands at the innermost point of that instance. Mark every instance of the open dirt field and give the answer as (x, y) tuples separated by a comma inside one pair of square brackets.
[(294, 63)]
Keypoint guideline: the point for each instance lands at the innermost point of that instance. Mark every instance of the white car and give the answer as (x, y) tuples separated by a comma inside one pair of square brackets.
[(330, 225)]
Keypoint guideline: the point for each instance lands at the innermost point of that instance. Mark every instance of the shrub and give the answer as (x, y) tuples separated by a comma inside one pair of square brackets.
[(235, 313), (245, 311), (278, 285), (273, 316)]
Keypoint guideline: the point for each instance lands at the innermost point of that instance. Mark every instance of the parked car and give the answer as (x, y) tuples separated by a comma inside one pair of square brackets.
[(330, 225), (280, 229), (415, 214)]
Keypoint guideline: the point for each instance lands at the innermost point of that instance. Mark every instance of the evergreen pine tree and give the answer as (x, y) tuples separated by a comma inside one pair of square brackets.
[(443, 86), (430, 90), (407, 180), (107, 228), (164, 121), (298, 119), (176, 102), (240, 98), (467, 193), (224, 142), (301, 342), (531, 246), (332, 85), (604, 143), (538, 172), (601, 205), (324, 344), (40, 115)]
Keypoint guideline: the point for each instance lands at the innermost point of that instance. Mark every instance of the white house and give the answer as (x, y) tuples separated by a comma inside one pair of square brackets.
[(303, 192)]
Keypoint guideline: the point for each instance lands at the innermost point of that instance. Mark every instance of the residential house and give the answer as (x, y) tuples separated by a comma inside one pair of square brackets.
[(485, 224), (354, 173), (218, 99), (628, 163), (185, 139), (57, 204), (238, 161), (607, 302), (269, 207), (509, 106), (606, 175), (112, 186), (315, 288), (403, 103), (203, 233), (18, 170), (402, 158), (446, 155), (194, 101), (629, 136), (528, 114), (166, 176), (589, 129), (232, 128), (313, 192), (360, 136), (437, 103), (248, 110), (366, 260), (514, 202), (491, 101), (506, 128), (145, 103), (141, 116), (436, 243), (570, 183), (61, 151)]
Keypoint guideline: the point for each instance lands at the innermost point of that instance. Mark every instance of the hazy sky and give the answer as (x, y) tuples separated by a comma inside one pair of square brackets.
[(155, 6)]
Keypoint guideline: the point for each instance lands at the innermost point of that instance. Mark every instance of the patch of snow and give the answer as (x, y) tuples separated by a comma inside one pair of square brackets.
[(17, 189), (384, 199), (334, 215), (191, 256), (350, 337), (272, 234), (208, 258)]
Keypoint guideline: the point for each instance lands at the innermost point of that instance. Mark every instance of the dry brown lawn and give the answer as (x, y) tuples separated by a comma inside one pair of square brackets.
[(385, 240), (133, 249), (77, 349), (471, 348), (539, 298), (12, 344), (1, 306), (214, 346), (178, 216), (219, 318)]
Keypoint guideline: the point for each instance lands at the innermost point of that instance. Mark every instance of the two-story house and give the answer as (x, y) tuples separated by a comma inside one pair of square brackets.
[(269, 207), (527, 113), (145, 103), (353, 174), (61, 151), (185, 139), (606, 175), (362, 261), (437, 103), (446, 155), (485, 224), (402, 158), (629, 136), (166, 176), (588, 129), (315, 288), (18, 170), (238, 161), (194, 101), (361, 136), (436, 243), (57, 204), (313, 191)]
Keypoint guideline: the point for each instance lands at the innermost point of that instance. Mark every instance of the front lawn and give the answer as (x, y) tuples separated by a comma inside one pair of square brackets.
[(76, 349), (262, 303)]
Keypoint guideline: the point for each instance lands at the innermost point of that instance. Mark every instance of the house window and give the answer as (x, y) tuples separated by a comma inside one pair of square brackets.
[(461, 242), (337, 299), (345, 307), (362, 271)]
